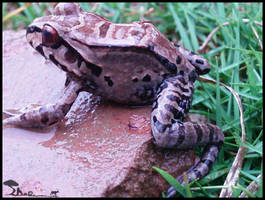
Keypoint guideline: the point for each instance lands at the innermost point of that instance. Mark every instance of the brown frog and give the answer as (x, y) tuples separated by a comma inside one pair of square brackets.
[(131, 64)]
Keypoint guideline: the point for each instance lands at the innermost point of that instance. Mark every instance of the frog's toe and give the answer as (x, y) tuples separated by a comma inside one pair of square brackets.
[(11, 120), (7, 114), (171, 192)]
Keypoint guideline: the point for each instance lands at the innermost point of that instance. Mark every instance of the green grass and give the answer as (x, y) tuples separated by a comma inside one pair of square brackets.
[(235, 56)]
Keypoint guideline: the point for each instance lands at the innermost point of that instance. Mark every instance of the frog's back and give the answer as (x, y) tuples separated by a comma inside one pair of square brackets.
[(132, 59), (121, 62), (102, 32)]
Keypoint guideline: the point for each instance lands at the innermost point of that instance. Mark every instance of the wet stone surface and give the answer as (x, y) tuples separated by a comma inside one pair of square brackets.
[(99, 149)]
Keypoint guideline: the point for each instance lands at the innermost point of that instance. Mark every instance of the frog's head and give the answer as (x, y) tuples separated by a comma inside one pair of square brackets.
[(47, 34), (55, 36)]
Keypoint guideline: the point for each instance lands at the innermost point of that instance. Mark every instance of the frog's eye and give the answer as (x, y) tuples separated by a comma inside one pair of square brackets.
[(50, 36)]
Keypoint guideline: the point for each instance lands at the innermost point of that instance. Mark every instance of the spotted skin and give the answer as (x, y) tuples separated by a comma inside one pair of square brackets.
[(169, 131), (132, 64), (201, 64)]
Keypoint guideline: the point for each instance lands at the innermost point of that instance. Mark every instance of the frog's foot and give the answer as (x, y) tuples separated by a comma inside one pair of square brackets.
[(187, 135), (40, 117), (47, 115), (169, 109), (200, 170), (201, 64)]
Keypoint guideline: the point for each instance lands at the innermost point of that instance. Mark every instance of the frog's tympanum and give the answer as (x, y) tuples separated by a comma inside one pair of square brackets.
[(132, 64)]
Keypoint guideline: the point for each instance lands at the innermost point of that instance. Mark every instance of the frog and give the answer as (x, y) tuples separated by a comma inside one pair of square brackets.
[(132, 64)]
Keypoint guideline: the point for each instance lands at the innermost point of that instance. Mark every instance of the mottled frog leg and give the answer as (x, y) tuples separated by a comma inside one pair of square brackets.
[(201, 64), (47, 115), (172, 103)]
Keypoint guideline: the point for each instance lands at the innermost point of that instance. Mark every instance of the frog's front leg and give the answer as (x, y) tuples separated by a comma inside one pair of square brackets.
[(169, 109), (50, 114)]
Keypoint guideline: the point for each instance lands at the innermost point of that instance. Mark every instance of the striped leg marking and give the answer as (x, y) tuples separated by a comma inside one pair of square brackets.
[(169, 109), (47, 115), (201, 64)]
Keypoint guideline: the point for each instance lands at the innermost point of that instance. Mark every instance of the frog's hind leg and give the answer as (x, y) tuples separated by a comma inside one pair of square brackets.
[(169, 109), (201, 64), (47, 115)]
